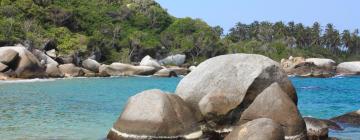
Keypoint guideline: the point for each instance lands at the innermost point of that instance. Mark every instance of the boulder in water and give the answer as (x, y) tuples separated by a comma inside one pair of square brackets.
[(154, 114), (92, 65), (258, 129), (348, 68), (220, 88), (275, 104), (352, 118), (70, 70)]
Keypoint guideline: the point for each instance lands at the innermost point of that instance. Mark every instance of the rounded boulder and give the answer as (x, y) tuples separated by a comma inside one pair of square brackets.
[(154, 114)]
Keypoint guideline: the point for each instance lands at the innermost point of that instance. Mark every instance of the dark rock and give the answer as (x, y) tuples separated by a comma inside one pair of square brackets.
[(275, 104), (352, 118), (258, 129), (316, 129), (154, 114)]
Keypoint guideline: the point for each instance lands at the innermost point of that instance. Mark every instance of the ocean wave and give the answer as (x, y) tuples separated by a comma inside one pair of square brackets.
[(310, 87), (27, 81)]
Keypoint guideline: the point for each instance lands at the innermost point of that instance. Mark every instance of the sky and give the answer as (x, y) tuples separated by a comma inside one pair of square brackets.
[(344, 14)]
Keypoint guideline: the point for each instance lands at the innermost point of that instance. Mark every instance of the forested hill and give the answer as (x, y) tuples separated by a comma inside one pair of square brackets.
[(127, 30)]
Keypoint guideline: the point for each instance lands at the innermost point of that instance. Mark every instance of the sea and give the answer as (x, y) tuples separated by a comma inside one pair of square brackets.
[(86, 108)]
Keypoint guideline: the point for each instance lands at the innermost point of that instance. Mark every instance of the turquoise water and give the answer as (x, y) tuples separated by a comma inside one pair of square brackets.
[(85, 108)]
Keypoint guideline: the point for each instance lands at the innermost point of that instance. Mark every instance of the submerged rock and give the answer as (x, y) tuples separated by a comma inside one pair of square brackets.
[(70, 70), (258, 129), (91, 65), (348, 68), (154, 114), (275, 104), (311, 67), (352, 118), (220, 88)]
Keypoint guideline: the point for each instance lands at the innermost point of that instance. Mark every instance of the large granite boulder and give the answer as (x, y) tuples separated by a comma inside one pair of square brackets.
[(92, 65), (27, 65), (150, 62), (52, 69), (7, 56), (120, 69), (70, 70), (154, 114), (352, 118), (275, 104), (165, 73), (177, 60), (258, 129), (348, 68), (220, 88)]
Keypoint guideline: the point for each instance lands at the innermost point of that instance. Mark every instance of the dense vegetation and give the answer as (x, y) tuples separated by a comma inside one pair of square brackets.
[(127, 30)]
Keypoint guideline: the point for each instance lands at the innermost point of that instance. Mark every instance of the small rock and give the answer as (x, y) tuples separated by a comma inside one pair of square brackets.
[(148, 61), (92, 65), (70, 70), (165, 73), (3, 67)]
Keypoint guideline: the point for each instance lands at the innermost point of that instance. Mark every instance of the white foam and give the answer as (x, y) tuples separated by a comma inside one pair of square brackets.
[(193, 135), (295, 137), (26, 81)]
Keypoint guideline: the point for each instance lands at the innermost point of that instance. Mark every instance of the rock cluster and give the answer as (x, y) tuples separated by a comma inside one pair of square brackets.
[(19, 62), (318, 67), (238, 96)]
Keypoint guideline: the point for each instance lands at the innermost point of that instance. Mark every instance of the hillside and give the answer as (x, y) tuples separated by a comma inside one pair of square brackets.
[(127, 30)]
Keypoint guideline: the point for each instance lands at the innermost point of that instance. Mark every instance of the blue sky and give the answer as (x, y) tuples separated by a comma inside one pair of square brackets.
[(344, 14)]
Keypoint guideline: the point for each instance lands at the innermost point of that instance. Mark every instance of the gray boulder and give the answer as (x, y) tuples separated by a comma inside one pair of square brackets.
[(7, 56), (92, 65), (165, 73), (177, 60), (352, 118), (120, 69), (154, 114), (275, 104), (150, 62), (258, 129), (348, 68), (27, 66), (220, 88), (70, 70)]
